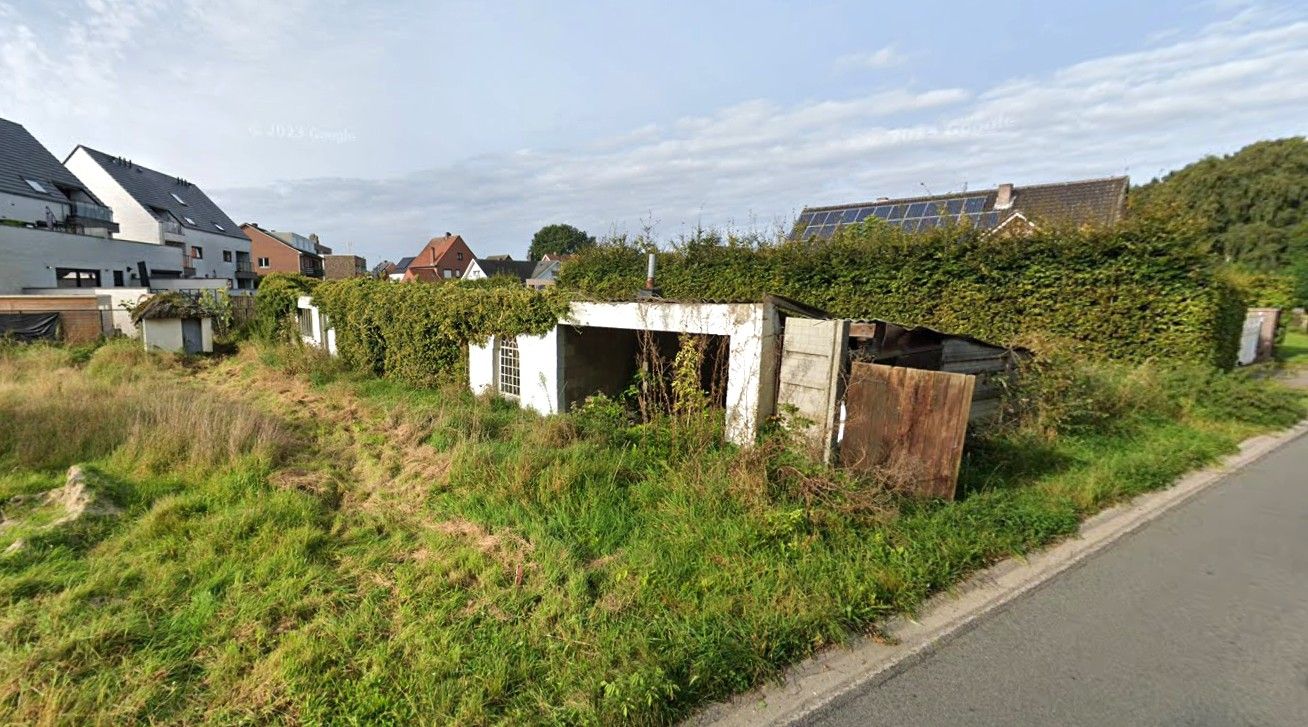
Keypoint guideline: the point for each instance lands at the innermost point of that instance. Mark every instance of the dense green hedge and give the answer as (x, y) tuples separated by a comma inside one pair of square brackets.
[(1134, 292), (416, 332), (274, 303)]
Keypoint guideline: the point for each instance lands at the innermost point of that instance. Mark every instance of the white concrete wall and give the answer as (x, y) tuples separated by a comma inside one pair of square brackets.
[(319, 338), (751, 377), (29, 209), (752, 328), (165, 334), (28, 257), (540, 367)]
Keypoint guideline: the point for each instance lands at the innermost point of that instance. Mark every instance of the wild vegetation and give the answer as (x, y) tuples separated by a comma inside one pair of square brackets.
[(1251, 206), (1135, 292), (298, 542)]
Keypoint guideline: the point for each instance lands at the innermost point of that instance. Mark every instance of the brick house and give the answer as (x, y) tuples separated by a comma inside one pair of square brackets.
[(340, 267), (283, 252), (443, 258)]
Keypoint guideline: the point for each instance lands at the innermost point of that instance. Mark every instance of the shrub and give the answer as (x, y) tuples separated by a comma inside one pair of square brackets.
[(417, 332), (275, 303), (1134, 292)]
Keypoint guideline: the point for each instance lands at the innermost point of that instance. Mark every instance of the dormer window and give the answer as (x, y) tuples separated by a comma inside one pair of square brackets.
[(36, 186), (180, 200)]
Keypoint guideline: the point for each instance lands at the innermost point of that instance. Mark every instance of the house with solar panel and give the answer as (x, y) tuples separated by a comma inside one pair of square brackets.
[(1006, 207), (166, 210)]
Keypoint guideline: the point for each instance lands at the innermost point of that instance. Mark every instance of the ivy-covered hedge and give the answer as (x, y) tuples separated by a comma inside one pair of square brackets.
[(416, 332), (1133, 292), (274, 303)]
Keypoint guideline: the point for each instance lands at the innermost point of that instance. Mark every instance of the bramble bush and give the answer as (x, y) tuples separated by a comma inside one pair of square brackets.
[(1141, 290)]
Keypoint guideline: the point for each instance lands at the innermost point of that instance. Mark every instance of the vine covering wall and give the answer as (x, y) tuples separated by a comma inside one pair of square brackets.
[(417, 332), (1137, 291)]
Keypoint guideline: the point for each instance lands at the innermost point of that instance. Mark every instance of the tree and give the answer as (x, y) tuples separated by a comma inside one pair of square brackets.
[(1252, 204), (558, 240)]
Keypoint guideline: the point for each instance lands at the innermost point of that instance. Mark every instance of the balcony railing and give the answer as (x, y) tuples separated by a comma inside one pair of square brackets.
[(170, 227), (243, 266), (91, 211)]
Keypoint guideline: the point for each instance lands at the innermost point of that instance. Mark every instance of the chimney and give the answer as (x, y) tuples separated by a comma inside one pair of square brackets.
[(447, 233), (1004, 198), (649, 291)]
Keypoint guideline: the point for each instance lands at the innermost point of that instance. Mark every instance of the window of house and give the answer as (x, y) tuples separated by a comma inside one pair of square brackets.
[(510, 374), (189, 221), (460, 256), (77, 278), (118, 279), (227, 256), (263, 262), (180, 201), (197, 252), (447, 273), (220, 227), (36, 186)]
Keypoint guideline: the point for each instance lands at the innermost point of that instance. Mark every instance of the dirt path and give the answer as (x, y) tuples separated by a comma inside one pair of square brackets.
[(372, 459)]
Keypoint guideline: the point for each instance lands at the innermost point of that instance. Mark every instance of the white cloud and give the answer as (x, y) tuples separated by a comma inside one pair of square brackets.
[(1227, 85), (886, 57)]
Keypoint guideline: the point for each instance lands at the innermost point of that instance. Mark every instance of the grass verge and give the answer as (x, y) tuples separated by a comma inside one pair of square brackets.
[(333, 549)]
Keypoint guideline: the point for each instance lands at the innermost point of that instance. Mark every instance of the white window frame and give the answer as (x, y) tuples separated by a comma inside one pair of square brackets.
[(508, 367)]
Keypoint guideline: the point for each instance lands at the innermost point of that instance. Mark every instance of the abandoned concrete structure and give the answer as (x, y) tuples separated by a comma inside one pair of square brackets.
[(595, 350)]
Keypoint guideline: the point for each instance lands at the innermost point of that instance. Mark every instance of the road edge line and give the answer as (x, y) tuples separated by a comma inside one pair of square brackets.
[(834, 672)]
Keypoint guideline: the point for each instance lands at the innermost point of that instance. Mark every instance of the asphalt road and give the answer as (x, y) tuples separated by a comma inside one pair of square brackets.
[(1199, 618)]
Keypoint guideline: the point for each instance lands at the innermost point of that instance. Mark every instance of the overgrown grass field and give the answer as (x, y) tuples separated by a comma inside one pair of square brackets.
[(301, 545)]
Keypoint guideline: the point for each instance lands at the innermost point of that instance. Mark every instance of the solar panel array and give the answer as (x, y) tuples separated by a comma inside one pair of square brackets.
[(908, 216)]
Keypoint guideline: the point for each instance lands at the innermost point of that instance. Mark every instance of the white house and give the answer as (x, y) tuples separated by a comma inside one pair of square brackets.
[(160, 209), (532, 273), (56, 233)]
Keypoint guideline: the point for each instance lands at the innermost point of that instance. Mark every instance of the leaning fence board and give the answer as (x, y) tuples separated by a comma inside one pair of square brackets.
[(910, 421)]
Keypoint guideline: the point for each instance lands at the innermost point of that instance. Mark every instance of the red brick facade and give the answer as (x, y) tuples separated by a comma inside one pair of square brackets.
[(281, 257)]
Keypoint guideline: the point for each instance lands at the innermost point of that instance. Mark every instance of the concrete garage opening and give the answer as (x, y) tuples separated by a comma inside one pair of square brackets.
[(642, 365), (596, 348)]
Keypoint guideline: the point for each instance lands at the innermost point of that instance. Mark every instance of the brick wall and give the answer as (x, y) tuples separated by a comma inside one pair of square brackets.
[(80, 316), (339, 267)]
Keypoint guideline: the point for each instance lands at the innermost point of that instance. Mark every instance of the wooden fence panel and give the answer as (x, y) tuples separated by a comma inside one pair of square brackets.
[(911, 421), (813, 356)]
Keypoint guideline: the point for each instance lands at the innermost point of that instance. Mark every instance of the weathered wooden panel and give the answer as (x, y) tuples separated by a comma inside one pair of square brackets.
[(812, 361), (909, 421)]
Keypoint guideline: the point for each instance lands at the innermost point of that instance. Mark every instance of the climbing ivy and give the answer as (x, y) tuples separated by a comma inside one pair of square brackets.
[(1140, 290), (417, 332)]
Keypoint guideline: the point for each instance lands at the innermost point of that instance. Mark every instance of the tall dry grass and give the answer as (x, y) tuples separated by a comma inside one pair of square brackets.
[(127, 404)]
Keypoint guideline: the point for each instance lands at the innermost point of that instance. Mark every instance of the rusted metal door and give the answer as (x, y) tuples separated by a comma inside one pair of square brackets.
[(812, 365), (908, 423)]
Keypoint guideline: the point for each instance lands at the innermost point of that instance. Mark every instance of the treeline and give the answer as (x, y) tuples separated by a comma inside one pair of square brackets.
[(1252, 207)]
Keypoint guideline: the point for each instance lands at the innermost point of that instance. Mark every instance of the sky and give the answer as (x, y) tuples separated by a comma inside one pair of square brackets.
[(379, 126)]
